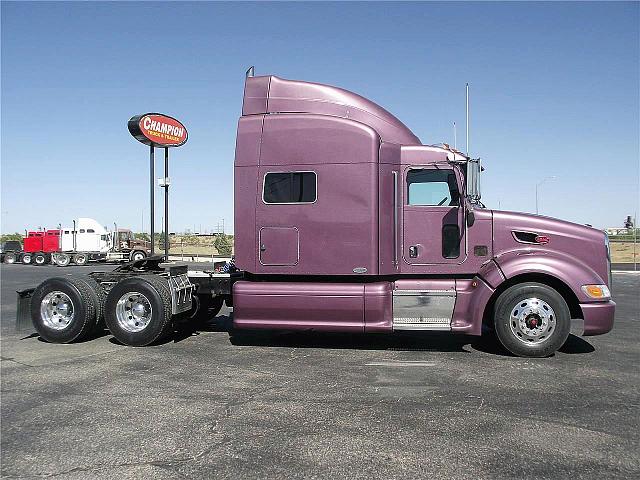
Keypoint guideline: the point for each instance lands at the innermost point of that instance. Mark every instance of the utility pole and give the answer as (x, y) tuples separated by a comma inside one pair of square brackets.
[(635, 241)]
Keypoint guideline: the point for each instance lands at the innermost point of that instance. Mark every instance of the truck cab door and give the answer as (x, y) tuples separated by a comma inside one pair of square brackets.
[(433, 216)]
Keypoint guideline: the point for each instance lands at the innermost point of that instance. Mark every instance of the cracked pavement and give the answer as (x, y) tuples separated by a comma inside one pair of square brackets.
[(415, 405)]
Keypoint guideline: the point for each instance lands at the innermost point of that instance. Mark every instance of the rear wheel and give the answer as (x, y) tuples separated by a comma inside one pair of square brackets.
[(9, 258), (40, 259), (532, 320), (27, 258), (138, 310), (205, 307), (62, 259), (80, 259), (66, 309)]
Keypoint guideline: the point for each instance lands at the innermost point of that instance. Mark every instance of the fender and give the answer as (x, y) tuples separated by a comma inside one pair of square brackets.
[(474, 296), (568, 269)]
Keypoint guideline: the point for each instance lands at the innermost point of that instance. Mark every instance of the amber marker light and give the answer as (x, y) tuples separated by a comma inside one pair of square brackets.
[(596, 291)]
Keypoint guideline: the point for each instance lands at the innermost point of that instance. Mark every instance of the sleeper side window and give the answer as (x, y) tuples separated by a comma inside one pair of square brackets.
[(432, 187), (289, 187)]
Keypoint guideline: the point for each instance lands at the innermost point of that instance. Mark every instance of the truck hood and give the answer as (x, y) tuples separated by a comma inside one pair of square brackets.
[(584, 243)]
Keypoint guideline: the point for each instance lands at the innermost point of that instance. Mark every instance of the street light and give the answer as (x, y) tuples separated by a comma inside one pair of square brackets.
[(538, 185)]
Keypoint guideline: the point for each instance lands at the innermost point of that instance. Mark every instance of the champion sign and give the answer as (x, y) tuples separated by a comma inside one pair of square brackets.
[(158, 130)]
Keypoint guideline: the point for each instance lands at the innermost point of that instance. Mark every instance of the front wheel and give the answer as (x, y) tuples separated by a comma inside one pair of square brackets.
[(532, 320), (9, 258), (138, 255)]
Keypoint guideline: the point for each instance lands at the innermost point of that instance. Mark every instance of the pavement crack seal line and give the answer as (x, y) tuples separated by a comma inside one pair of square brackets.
[(154, 463), (401, 363), (11, 359), (65, 361)]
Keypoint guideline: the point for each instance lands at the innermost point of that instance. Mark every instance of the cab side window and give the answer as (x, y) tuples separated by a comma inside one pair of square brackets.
[(289, 187), (434, 187)]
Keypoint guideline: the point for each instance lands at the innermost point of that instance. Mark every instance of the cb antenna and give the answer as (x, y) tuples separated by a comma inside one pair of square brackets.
[(455, 136)]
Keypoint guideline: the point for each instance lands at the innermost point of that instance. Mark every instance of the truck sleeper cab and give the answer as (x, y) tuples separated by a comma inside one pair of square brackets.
[(346, 222)]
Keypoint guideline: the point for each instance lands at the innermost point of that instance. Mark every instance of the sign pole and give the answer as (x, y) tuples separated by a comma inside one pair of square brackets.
[(166, 203), (151, 186), (162, 131)]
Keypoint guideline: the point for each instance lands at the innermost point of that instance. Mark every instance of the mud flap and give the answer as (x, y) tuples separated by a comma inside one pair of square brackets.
[(23, 314)]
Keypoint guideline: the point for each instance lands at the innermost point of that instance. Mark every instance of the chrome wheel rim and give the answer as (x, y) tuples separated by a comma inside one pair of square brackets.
[(57, 310), (532, 321), (26, 258), (133, 312), (39, 260), (138, 256)]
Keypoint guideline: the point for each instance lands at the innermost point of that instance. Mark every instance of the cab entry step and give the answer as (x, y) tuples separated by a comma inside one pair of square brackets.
[(423, 309)]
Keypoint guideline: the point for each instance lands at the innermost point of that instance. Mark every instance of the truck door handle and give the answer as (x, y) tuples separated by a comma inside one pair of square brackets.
[(262, 247), (413, 251)]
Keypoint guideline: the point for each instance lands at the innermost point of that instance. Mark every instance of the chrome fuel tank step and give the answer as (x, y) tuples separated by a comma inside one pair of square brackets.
[(423, 309)]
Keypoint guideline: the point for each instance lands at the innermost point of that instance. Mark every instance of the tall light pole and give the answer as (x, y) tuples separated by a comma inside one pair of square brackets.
[(538, 185)]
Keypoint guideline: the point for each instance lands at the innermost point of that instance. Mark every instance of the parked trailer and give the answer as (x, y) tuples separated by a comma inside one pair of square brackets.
[(345, 221)]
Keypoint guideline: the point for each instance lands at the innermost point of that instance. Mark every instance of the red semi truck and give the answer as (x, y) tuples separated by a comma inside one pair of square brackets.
[(85, 241), (346, 222)]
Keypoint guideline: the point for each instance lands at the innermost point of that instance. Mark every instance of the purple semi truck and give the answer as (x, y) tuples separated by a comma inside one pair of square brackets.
[(346, 222)]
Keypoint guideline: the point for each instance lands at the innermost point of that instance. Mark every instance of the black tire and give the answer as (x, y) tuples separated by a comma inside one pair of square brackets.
[(40, 259), (81, 259), (137, 255), (101, 299), (9, 258), (205, 307), (26, 259), (510, 335), (156, 290), (85, 303)]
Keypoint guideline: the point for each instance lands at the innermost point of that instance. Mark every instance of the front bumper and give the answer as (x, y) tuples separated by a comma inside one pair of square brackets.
[(598, 317)]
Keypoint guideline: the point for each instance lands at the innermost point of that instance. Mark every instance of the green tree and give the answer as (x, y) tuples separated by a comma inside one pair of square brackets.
[(142, 236), (11, 236), (223, 244)]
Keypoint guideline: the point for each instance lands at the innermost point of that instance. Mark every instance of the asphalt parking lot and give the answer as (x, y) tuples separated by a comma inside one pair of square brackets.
[(208, 405)]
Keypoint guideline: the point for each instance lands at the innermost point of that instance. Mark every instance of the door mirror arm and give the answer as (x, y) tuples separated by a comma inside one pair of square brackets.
[(470, 216)]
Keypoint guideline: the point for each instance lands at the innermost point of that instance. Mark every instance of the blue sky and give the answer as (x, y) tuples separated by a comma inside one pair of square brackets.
[(554, 91)]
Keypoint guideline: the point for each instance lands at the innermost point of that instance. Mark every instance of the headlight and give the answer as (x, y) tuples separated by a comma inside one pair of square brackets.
[(599, 292)]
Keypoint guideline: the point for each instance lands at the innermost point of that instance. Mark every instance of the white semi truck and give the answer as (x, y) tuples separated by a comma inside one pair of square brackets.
[(85, 240)]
